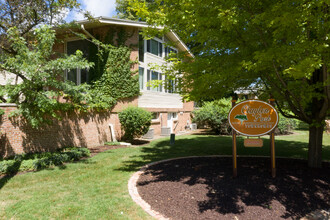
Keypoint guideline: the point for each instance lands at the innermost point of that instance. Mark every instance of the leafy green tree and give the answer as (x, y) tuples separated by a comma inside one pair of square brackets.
[(26, 48), (123, 12), (27, 54), (39, 94), (280, 47), (26, 15)]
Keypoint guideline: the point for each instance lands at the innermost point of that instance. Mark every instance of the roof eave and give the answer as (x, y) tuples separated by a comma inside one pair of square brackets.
[(138, 24)]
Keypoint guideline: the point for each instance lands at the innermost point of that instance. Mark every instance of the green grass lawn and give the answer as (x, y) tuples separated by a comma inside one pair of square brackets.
[(97, 188)]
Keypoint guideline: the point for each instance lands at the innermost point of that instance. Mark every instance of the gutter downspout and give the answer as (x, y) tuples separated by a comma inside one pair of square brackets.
[(86, 32)]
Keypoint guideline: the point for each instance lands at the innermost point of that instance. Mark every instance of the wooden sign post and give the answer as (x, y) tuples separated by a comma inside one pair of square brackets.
[(272, 146), (233, 102), (253, 118)]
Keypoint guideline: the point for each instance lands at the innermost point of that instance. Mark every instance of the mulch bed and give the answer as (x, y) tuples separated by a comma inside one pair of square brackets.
[(203, 188)]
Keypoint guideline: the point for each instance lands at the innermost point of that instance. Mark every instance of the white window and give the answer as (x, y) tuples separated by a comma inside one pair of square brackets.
[(154, 75), (170, 85), (170, 50), (141, 77), (155, 47), (78, 76), (155, 116)]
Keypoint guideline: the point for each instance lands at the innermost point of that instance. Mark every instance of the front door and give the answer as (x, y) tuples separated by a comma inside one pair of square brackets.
[(170, 121)]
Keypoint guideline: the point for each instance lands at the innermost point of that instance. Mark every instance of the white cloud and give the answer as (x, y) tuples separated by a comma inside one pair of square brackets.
[(100, 7), (97, 8)]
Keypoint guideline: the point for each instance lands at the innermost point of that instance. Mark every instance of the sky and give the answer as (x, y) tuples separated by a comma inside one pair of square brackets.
[(106, 8)]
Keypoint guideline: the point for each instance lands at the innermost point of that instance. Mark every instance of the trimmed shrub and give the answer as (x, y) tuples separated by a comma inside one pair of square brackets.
[(135, 122), (286, 125), (214, 115)]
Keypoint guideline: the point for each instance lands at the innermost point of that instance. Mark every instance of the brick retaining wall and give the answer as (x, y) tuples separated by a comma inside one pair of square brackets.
[(75, 129)]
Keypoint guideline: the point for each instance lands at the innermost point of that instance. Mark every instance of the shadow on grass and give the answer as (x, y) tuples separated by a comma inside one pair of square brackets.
[(202, 145), (13, 170), (296, 191)]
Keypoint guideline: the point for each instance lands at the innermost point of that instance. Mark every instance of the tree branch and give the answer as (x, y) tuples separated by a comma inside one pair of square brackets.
[(3, 99), (284, 113), (286, 96), (289, 93)]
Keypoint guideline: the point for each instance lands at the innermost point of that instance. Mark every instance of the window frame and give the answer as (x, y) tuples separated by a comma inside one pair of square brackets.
[(157, 118), (168, 53), (141, 84), (160, 45), (141, 48), (149, 78), (78, 70), (176, 115)]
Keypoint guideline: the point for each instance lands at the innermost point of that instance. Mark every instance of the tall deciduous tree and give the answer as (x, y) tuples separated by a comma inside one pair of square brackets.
[(280, 46), (39, 93), (26, 48), (26, 15)]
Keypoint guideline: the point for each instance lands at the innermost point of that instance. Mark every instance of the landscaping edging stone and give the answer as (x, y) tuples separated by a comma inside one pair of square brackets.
[(133, 191)]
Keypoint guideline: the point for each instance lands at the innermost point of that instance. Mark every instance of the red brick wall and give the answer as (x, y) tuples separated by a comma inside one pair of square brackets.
[(84, 129)]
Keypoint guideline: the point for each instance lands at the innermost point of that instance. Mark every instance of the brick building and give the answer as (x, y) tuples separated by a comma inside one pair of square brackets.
[(170, 113)]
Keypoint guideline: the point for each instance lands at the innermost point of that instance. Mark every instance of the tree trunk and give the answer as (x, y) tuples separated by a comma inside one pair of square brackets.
[(315, 146)]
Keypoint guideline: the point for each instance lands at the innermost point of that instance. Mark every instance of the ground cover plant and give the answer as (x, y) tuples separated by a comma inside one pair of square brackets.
[(96, 188), (38, 161)]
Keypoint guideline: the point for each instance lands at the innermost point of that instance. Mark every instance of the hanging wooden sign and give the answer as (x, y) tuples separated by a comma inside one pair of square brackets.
[(253, 118), (253, 142)]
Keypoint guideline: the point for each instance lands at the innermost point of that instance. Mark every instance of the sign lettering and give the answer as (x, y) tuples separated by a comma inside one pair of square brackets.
[(253, 118)]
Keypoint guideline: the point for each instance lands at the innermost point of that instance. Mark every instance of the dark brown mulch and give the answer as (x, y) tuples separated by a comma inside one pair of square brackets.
[(203, 188)]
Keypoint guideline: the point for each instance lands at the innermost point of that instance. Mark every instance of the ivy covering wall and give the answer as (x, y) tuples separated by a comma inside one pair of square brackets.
[(111, 78), (39, 96)]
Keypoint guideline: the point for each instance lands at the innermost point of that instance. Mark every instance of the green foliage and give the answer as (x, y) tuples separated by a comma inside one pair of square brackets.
[(135, 122), (286, 62), (38, 95), (117, 80), (214, 114), (10, 166), (279, 47), (287, 125), (38, 161), (302, 125)]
